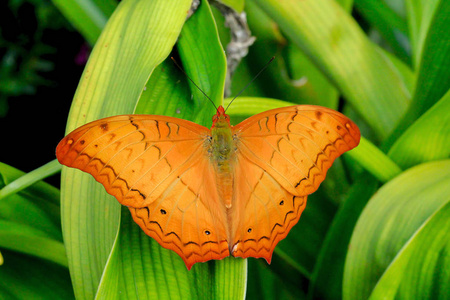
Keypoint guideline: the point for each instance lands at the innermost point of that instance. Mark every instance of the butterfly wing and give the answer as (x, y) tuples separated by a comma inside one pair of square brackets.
[(157, 166), (283, 156)]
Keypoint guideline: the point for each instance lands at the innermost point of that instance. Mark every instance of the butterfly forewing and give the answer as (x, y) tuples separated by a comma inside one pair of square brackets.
[(134, 157), (296, 145)]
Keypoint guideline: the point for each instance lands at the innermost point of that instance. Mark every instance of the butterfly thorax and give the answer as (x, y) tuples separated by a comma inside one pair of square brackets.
[(223, 155)]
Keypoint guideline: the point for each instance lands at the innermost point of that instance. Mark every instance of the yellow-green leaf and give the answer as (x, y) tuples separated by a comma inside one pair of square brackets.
[(138, 37), (394, 215), (335, 43)]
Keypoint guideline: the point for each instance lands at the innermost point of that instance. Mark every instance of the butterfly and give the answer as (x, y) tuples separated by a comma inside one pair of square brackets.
[(211, 193)]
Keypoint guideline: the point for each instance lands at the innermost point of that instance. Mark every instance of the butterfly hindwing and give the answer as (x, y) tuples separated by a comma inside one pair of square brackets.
[(188, 217), (264, 214)]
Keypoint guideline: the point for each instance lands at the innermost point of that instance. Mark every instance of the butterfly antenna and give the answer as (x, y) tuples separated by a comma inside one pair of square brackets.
[(248, 84), (179, 67)]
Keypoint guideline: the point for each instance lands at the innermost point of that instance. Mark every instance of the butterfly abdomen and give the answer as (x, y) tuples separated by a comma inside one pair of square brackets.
[(223, 159)]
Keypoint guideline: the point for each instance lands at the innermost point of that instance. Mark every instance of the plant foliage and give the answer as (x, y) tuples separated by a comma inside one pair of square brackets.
[(378, 227)]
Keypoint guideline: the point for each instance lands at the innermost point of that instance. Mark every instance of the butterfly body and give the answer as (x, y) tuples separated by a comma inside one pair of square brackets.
[(223, 156), (211, 193)]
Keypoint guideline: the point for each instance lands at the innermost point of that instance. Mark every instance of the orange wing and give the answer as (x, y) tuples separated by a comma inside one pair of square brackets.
[(283, 156), (157, 166)]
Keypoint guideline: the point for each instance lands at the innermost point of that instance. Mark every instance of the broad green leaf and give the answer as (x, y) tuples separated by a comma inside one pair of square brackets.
[(334, 42), (138, 266), (420, 270), (404, 71), (433, 79), (87, 16), (138, 37), (390, 25), (167, 93), (391, 218), (419, 13), (308, 79), (205, 63), (326, 281), (204, 58), (427, 139), (140, 269), (291, 76)]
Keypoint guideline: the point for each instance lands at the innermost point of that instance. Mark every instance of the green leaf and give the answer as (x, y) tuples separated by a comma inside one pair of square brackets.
[(138, 37), (326, 281), (138, 266), (390, 25), (36, 206), (87, 16), (309, 80), (248, 106), (237, 5), (419, 13), (30, 178), (166, 93), (427, 139), (299, 250), (291, 76), (420, 270), (25, 239), (374, 161), (391, 218), (205, 63), (334, 42), (433, 79)]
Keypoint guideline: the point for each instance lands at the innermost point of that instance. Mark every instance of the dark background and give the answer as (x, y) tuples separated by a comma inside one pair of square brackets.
[(41, 60)]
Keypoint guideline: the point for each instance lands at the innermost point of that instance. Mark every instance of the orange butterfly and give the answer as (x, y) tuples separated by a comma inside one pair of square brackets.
[(211, 193)]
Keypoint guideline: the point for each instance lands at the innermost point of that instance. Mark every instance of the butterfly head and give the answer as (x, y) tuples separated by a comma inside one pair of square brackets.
[(221, 119)]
